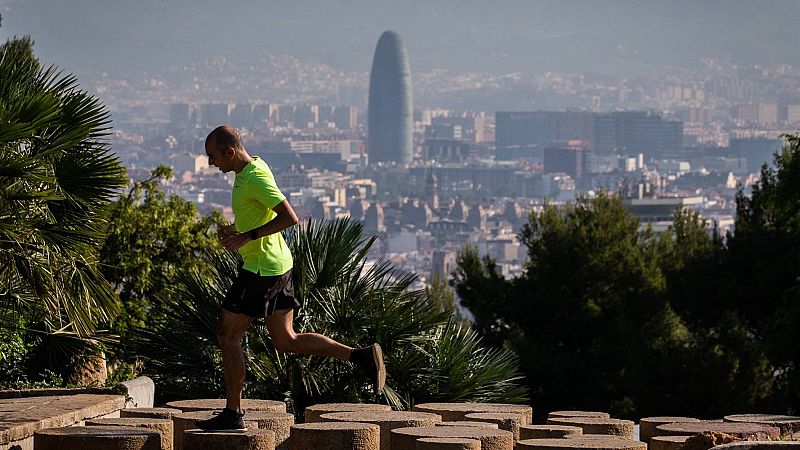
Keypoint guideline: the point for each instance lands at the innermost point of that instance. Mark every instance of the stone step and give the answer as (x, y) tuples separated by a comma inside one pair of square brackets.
[(667, 442), (468, 423), (149, 413), (647, 425), (760, 445), (548, 431), (163, 426), (254, 439), (312, 413), (505, 421), (752, 431), (280, 423), (597, 414), (597, 425), (451, 412), (335, 436), (186, 421), (387, 420), (21, 417), (607, 442), (97, 438), (448, 444), (405, 438), (208, 404), (789, 425)]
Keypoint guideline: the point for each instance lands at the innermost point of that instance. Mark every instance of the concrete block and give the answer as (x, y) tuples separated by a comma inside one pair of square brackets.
[(163, 426), (186, 421), (335, 436), (760, 445), (667, 442), (468, 423), (451, 412), (647, 425), (387, 420), (596, 425), (312, 413), (789, 425), (405, 438), (150, 413), (597, 414), (280, 423), (139, 392), (97, 438), (742, 430), (548, 431), (229, 440), (448, 444), (606, 443), (505, 421)]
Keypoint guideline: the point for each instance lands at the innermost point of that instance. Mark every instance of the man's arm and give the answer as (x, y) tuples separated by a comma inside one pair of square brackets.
[(285, 217)]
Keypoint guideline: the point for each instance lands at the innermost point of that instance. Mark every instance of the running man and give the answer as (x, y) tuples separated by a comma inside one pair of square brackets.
[(263, 288)]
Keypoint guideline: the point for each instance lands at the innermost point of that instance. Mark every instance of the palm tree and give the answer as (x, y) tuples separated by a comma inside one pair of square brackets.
[(429, 355), (57, 176)]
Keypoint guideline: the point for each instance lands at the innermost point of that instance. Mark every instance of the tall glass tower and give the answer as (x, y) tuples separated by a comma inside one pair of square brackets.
[(390, 109)]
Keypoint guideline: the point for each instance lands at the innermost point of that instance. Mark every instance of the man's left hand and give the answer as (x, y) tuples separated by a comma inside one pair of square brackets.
[(235, 241)]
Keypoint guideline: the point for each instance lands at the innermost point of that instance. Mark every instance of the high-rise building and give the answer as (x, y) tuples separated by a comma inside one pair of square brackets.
[(537, 129), (756, 151), (389, 115), (627, 132), (181, 114), (570, 157), (345, 117), (214, 114), (633, 132)]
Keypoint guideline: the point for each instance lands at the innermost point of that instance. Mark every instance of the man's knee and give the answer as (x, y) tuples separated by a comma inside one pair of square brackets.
[(285, 344), (226, 336)]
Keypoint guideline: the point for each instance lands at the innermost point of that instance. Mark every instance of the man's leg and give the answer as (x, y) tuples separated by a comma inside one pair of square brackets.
[(232, 327), (280, 325), (230, 331)]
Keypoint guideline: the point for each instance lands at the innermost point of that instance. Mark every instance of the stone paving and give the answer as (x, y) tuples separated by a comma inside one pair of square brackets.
[(46, 421), (21, 417)]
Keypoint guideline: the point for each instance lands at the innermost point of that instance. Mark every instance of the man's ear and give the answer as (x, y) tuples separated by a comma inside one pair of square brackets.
[(230, 151)]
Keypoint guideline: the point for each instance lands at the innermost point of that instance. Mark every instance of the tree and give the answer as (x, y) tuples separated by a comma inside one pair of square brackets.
[(613, 317), (151, 237), (57, 178), (429, 356), (765, 266)]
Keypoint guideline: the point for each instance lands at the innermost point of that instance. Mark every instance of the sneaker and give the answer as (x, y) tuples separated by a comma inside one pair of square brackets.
[(370, 361), (227, 419)]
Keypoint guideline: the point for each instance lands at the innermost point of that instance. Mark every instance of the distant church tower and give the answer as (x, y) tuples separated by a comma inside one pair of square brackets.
[(390, 109)]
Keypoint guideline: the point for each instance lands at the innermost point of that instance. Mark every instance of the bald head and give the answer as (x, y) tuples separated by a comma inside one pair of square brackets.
[(224, 137)]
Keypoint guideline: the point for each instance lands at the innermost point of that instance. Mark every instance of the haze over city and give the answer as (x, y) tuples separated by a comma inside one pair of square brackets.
[(624, 38)]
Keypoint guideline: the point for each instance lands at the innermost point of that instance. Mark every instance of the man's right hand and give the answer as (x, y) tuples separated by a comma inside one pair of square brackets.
[(224, 231)]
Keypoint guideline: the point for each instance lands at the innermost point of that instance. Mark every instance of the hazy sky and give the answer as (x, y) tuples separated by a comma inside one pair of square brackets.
[(622, 37)]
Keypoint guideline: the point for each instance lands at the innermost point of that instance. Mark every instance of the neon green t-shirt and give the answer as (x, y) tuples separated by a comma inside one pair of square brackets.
[(255, 193)]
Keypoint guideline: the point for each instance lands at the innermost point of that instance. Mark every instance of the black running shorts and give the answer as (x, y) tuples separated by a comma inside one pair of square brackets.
[(259, 296)]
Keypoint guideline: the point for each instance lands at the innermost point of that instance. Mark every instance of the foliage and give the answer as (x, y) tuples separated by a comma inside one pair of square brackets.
[(57, 178), (344, 298), (610, 316), (151, 237), (765, 266)]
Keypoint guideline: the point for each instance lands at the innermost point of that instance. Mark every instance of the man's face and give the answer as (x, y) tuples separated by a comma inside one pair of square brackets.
[(221, 158)]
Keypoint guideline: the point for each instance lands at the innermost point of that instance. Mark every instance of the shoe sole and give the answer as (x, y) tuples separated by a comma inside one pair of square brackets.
[(377, 355)]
